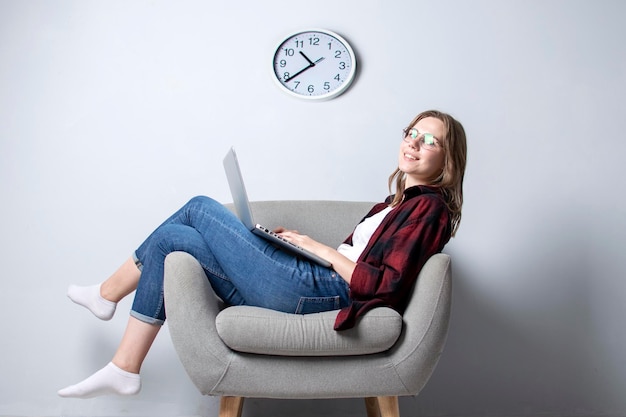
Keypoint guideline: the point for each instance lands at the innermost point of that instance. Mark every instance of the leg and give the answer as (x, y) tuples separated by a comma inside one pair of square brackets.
[(121, 375), (371, 406), (389, 406), (212, 234), (102, 299), (230, 255), (149, 305), (122, 282), (135, 344), (231, 406), (281, 281)]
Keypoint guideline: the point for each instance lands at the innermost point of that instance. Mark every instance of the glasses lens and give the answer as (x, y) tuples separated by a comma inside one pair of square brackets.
[(413, 133), (429, 139)]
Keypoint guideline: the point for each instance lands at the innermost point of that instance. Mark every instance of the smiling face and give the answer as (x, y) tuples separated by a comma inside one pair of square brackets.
[(422, 165)]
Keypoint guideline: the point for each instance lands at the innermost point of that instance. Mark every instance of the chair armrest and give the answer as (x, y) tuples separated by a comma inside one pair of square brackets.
[(191, 307), (426, 322)]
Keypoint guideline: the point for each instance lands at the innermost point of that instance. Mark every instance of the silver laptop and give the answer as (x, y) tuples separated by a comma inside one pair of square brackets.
[(244, 212)]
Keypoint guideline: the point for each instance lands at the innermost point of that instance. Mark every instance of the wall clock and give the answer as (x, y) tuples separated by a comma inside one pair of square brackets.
[(314, 64)]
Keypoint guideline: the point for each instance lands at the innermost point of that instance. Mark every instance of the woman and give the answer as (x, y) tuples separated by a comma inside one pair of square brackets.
[(375, 266)]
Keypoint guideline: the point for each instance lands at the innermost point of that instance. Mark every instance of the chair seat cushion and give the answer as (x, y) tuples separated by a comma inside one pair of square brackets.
[(262, 331)]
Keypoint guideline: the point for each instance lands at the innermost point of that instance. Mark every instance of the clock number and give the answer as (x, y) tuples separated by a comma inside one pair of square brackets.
[(286, 76), (289, 52), (311, 89), (342, 65), (283, 63), (337, 54), (326, 86), (336, 77), (297, 83), (299, 44), (314, 41)]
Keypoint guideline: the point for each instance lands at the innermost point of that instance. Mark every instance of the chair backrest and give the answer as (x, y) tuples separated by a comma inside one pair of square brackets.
[(329, 222)]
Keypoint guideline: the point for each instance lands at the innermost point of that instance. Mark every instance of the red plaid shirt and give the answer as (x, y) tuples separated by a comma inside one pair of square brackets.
[(412, 232)]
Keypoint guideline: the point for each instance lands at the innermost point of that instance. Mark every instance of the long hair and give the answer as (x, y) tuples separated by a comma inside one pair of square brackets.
[(450, 181)]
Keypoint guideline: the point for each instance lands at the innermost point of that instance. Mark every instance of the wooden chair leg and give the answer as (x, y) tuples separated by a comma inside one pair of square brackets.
[(371, 406), (231, 406), (389, 406)]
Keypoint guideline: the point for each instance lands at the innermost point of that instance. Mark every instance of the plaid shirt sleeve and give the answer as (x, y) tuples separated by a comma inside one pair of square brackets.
[(388, 267)]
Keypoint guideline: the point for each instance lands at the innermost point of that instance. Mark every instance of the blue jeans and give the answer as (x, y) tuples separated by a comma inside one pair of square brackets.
[(243, 269)]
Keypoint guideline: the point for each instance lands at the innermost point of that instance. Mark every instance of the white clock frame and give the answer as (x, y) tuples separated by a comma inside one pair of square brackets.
[(314, 64)]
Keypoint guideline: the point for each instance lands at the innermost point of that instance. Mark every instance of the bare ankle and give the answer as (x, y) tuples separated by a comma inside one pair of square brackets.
[(126, 366), (122, 282), (108, 293)]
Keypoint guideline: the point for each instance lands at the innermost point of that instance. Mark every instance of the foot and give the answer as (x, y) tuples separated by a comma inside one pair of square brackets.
[(108, 380), (90, 298)]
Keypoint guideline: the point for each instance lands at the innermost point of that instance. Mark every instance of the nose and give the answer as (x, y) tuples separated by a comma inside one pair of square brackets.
[(414, 143)]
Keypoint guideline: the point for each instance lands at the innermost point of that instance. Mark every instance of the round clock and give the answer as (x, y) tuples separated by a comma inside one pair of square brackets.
[(314, 64)]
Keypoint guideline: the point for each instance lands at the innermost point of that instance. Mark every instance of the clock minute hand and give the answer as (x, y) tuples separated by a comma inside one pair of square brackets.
[(298, 73), (311, 65)]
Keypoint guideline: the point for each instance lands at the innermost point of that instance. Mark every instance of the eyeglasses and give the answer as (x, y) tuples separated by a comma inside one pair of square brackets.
[(426, 141)]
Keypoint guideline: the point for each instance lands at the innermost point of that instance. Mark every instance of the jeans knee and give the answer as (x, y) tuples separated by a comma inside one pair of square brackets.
[(202, 201), (204, 207), (169, 238)]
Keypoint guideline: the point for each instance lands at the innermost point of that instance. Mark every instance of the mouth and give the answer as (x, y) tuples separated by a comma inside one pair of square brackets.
[(410, 157)]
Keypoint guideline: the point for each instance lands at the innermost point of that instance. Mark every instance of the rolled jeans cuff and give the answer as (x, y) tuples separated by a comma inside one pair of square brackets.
[(146, 319), (138, 263)]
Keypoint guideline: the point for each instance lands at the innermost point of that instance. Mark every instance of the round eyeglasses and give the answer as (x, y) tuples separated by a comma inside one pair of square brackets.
[(426, 141)]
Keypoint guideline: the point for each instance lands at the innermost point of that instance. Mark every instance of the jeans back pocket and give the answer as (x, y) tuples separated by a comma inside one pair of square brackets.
[(308, 305)]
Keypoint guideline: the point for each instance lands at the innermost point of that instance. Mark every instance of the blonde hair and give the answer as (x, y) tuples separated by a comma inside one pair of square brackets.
[(450, 181)]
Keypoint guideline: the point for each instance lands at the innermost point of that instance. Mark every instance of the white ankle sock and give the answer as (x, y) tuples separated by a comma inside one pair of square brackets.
[(90, 298), (108, 380)]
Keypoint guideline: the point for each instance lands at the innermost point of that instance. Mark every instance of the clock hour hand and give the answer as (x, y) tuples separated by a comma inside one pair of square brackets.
[(311, 63), (307, 58)]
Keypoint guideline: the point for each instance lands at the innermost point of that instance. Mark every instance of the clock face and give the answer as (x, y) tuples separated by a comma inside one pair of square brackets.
[(314, 64)]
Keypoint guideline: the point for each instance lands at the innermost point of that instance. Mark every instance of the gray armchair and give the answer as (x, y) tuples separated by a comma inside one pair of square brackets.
[(242, 351)]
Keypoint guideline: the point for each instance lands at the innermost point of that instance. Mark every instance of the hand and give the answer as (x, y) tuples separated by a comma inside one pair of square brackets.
[(281, 229), (290, 235), (295, 237)]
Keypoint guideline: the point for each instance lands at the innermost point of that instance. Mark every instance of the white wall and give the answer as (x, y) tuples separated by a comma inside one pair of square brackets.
[(113, 114)]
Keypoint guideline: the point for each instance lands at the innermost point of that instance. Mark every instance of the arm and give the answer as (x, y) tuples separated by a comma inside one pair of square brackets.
[(395, 255), (389, 265), (342, 265)]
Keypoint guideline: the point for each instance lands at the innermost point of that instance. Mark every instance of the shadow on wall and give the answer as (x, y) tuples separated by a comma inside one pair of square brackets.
[(521, 335)]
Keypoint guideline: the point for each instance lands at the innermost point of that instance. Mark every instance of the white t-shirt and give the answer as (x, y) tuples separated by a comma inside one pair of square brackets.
[(362, 234)]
